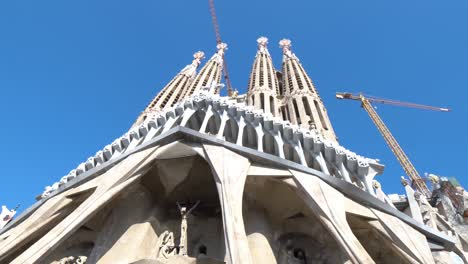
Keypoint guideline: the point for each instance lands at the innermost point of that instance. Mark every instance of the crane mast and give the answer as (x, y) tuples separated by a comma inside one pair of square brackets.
[(218, 41), (405, 162)]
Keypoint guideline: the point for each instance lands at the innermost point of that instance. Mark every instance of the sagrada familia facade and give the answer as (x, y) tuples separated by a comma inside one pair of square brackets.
[(252, 178)]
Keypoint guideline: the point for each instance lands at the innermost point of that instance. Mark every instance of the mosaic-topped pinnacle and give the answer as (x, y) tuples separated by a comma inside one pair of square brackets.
[(285, 44), (262, 41), (262, 44), (221, 47), (198, 56)]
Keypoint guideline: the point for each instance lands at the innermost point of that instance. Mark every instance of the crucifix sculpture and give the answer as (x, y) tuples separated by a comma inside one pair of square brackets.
[(183, 227)]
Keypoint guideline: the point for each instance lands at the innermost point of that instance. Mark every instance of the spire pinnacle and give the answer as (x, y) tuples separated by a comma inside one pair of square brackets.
[(262, 44), (198, 56), (285, 44), (221, 48)]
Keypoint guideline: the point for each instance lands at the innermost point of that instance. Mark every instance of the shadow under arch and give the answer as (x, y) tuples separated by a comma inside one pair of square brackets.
[(231, 131), (249, 137), (290, 153), (281, 228), (213, 125), (196, 120), (270, 145)]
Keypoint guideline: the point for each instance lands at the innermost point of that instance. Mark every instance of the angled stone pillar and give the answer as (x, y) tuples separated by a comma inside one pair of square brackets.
[(403, 237), (230, 170), (112, 183), (414, 209), (329, 206)]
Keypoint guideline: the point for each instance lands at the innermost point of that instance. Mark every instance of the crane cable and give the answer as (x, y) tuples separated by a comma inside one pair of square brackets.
[(218, 41)]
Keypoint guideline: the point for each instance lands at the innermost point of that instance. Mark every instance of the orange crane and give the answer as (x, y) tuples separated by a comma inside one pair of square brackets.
[(218, 41), (408, 167)]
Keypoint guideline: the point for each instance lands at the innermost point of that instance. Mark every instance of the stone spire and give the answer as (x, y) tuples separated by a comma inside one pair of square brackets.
[(173, 92), (210, 74), (303, 105), (263, 84)]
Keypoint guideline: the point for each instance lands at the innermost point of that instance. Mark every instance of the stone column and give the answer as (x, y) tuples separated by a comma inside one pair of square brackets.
[(230, 171), (329, 206), (112, 183)]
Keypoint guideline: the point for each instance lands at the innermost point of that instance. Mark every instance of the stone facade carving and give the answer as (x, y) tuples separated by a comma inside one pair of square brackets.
[(73, 260), (184, 213), (167, 246)]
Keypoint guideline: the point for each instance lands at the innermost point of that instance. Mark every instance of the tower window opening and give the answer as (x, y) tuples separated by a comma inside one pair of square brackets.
[(308, 111), (269, 75), (262, 101), (290, 82), (298, 76), (296, 110), (205, 81), (272, 105), (283, 113), (308, 80), (262, 62), (322, 119), (253, 100), (180, 92)]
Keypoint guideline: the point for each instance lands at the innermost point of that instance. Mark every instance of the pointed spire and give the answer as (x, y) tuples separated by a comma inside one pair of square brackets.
[(263, 84), (210, 74), (293, 73), (173, 92), (304, 106), (263, 74), (191, 69)]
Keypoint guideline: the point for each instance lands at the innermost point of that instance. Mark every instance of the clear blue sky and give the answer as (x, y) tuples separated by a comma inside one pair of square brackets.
[(75, 74)]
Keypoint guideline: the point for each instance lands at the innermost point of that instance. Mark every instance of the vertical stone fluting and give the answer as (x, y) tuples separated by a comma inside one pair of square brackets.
[(263, 86), (210, 74), (301, 101), (174, 91)]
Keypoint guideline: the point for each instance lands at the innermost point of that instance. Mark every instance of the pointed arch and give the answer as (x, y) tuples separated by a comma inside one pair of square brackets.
[(231, 130), (249, 137)]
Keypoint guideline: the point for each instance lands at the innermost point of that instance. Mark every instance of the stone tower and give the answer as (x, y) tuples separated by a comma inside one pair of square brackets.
[(174, 91), (302, 104), (263, 86), (210, 75)]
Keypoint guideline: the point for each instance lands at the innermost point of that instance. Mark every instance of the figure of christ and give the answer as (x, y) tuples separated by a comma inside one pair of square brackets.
[(183, 227)]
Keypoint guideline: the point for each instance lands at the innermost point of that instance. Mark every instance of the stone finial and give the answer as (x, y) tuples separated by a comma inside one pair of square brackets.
[(262, 44), (285, 44), (404, 182), (198, 56), (221, 48), (376, 184), (262, 41)]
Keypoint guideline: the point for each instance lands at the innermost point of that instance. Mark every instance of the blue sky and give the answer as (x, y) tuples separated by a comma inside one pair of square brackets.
[(75, 74)]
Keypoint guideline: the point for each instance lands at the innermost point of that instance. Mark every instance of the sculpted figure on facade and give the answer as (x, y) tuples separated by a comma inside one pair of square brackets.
[(167, 246), (183, 227)]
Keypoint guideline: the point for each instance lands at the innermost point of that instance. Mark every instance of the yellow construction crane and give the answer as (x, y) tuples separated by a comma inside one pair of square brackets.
[(408, 167)]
